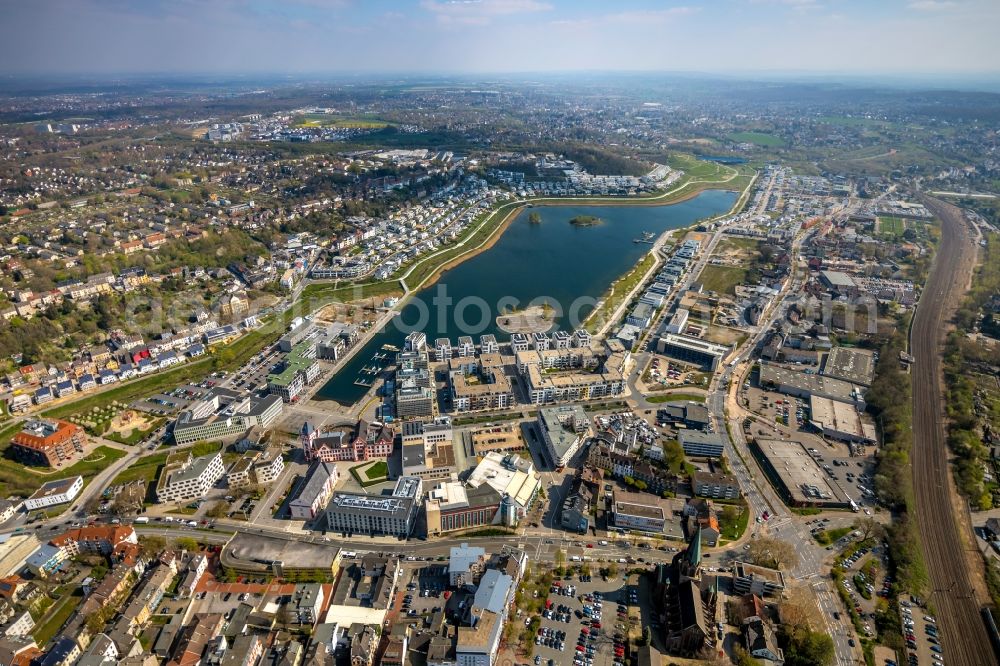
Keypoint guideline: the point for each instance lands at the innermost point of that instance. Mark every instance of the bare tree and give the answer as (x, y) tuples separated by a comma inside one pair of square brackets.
[(771, 552)]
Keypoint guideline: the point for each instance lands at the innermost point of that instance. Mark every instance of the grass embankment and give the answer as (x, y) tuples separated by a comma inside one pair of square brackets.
[(676, 397), (145, 468), (57, 617), (619, 291), (18, 479)]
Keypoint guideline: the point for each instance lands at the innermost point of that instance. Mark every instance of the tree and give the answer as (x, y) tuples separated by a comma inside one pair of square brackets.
[(151, 545), (799, 610), (186, 543), (219, 509), (807, 648), (870, 528), (742, 658), (773, 553)]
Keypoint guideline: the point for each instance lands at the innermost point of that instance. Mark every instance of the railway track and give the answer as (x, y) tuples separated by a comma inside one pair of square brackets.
[(964, 636)]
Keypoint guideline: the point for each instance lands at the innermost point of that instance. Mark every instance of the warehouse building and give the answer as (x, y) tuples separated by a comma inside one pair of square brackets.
[(856, 366), (840, 421), (804, 385)]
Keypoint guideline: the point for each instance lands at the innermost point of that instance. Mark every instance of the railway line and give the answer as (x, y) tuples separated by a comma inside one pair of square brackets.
[(964, 634)]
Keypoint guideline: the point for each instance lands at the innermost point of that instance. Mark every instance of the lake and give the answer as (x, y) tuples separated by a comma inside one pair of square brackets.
[(567, 265)]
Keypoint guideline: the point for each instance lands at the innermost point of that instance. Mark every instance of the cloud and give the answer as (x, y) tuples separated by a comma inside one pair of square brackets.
[(932, 5), (480, 12), (638, 17)]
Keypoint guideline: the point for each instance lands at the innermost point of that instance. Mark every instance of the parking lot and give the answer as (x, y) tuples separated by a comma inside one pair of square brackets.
[(424, 591), (923, 643), (586, 622)]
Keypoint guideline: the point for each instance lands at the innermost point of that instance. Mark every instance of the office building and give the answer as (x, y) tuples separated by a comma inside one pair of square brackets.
[(685, 348), (298, 370), (393, 515), (187, 478), (353, 441), (698, 444), (224, 415)]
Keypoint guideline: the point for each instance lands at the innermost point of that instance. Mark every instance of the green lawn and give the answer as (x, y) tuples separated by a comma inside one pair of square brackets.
[(826, 537), (379, 470), (676, 397), (16, 478), (370, 476), (722, 279), (145, 468), (889, 225), (758, 138), (734, 530), (55, 620)]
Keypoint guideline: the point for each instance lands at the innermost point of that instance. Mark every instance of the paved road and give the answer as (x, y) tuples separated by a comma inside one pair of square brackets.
[(965, 640)]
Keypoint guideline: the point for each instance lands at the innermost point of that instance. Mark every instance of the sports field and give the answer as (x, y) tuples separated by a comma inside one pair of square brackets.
[(891, 225)]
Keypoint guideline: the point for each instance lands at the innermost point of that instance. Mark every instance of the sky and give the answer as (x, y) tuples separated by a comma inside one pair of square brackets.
[(870, 37)]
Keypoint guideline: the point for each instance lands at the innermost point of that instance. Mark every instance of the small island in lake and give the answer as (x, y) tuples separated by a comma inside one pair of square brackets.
[(535, 217), (585, 220)]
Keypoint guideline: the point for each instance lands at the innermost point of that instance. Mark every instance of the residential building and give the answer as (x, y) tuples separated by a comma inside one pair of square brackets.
[(21, 626), (48, 443), (465, 565), (692, 350), (55, 492), (716, 486), (563, 429), (760, 641)]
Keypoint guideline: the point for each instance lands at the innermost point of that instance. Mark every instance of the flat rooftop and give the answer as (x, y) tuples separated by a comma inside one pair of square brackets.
[(851, 365), (747, 570), (837, 389), (803, 477)]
